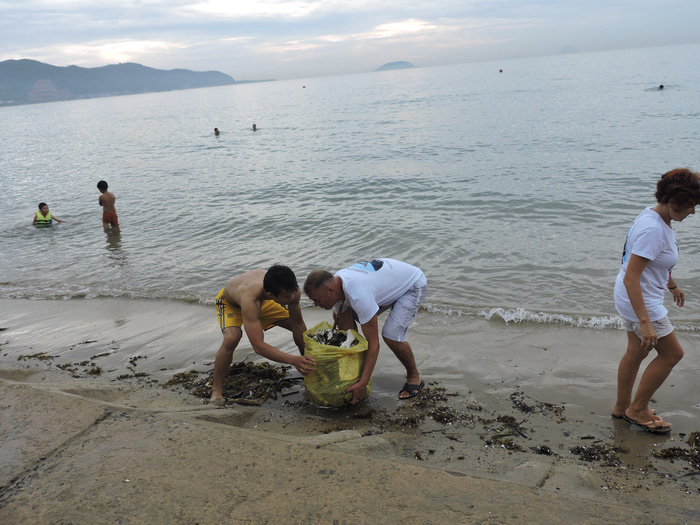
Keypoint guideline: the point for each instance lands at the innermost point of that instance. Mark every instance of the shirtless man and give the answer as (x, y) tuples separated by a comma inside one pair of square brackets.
[(109, 212), (259, 300)]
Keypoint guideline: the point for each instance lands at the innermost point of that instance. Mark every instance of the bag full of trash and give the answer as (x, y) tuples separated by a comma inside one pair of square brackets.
[(340, 358)]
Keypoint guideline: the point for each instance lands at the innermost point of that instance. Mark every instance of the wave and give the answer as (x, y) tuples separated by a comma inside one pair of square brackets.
[(524, 316), (521, 315), (495, 314)]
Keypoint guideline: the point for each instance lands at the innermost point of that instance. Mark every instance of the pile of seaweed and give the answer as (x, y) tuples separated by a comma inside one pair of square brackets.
[(332, 338), (246, 383)]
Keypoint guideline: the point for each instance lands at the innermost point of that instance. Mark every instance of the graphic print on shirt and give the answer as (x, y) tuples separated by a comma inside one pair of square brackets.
[(624, 251), (678, 251), (625, 255), (370, 266)]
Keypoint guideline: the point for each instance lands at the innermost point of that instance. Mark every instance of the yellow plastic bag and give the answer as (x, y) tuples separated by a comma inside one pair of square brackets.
[(336, 368)]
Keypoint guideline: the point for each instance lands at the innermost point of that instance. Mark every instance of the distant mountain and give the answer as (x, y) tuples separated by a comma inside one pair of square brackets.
[(395, 65), (28, 81)]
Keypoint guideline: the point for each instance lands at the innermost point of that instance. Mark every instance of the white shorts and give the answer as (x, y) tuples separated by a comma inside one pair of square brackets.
[(662, 327), (403, 311)]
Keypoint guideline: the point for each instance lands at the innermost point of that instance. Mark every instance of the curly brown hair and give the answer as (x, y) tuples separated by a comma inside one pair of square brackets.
[(680, 188)]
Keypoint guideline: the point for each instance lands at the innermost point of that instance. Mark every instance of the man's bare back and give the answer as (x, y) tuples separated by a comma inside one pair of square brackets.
[(106, 200), (245, 288)]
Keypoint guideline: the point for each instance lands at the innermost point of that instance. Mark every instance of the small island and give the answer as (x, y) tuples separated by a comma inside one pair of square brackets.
[(395, 65)]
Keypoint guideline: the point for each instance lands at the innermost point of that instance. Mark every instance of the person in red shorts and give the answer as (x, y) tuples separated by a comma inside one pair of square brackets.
[(109, 212)]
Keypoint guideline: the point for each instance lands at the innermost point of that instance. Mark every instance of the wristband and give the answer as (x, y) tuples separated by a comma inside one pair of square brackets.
[(672, 287)]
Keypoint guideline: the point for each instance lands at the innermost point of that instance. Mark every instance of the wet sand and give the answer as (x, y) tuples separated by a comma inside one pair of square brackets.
[(514, 427)]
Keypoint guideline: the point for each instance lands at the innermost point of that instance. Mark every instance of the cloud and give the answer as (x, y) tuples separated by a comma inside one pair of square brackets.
[(456, 33), (252, 8), (112, 52), (297, 38), (406, 27)]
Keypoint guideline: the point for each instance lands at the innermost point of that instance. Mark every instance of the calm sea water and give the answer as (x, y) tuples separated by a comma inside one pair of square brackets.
[(513, 191)]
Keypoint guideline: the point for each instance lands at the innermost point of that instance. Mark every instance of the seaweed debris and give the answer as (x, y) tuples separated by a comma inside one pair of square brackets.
[(433, 403), (518, 399), (132, 376), (691, 455), (608, 455), (89, 367), (506, 442), (187, 379), (95, 370), (511, 424), (41, 356), (542, 450), (86, 342), (245, 381)]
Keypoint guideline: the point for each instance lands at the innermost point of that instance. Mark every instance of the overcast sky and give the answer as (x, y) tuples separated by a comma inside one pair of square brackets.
[(262, 39)]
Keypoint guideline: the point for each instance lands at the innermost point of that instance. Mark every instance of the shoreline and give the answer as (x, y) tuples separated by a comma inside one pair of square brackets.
[(499, 398)]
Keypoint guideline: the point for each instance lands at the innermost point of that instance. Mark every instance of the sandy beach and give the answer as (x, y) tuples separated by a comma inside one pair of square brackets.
[(513, 427)]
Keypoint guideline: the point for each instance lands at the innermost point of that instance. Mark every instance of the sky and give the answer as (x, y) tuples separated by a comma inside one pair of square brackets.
[(285, 39)]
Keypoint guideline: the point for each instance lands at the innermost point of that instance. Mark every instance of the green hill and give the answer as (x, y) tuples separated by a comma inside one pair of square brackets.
[(28, 81)]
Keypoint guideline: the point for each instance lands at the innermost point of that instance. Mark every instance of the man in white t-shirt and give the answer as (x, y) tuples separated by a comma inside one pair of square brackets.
[(359, 294)]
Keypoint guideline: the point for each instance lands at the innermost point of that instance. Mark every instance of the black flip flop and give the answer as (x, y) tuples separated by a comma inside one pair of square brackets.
[(413, 390)]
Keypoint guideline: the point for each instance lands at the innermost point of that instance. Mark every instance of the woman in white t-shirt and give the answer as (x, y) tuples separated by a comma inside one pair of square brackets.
[(649, 255)]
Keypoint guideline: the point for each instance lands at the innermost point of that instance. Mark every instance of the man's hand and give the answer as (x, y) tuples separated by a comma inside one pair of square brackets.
[(304, 364), (358, 391)]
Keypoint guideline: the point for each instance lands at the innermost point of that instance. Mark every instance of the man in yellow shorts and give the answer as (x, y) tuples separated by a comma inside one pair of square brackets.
[(258, 300)]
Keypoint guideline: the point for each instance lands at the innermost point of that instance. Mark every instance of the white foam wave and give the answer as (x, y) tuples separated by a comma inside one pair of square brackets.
[(521, 315), (447, 310)]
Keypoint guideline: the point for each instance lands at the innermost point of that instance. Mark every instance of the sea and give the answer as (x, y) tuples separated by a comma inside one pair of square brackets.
[(510, 183)]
